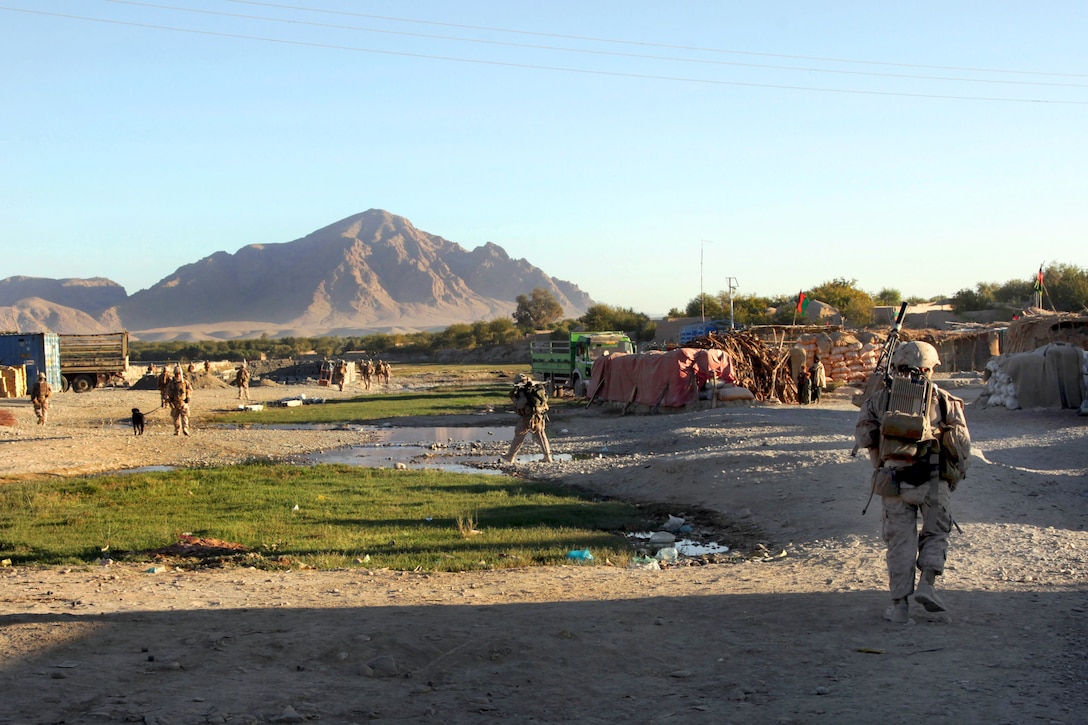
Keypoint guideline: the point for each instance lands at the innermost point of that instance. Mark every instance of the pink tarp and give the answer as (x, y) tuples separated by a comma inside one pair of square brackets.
[(668, 379)]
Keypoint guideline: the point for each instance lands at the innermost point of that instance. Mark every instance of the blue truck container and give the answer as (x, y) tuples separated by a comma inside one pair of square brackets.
[(701, 329), (39, 351)]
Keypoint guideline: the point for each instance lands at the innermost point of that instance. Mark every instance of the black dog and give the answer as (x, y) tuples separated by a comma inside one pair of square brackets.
[(137, 422)]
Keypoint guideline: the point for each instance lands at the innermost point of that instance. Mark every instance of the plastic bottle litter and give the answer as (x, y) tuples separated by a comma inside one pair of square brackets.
[(667, 554), (644, 562), (580, 555)]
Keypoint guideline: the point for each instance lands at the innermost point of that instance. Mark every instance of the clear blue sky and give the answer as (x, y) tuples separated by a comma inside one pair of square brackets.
[(642, 150)]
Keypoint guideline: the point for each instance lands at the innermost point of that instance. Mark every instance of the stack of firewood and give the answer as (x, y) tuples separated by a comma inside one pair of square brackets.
[(761, 369)]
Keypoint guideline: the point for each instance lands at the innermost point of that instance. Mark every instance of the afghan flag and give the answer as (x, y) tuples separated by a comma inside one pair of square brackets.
[(802, 303), (1039, 280)]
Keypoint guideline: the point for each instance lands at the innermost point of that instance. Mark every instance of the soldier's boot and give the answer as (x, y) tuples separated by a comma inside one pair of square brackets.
[(897, 612), (926, 595)]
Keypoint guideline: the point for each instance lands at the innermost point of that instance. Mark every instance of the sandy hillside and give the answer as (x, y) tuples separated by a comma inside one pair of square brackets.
[(788, 631)]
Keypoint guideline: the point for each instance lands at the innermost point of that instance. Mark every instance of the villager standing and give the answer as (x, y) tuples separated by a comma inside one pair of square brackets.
[(531, 404), (918, 441), (803, 390), (39, 396), (818, 378), (178, 393), (241, 379)]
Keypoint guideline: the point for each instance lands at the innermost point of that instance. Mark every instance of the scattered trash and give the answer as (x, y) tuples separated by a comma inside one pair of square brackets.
[(156, 570), (673, 524), (580, 555), (667, 554), (660, 539), (767, 556), (644, 562)]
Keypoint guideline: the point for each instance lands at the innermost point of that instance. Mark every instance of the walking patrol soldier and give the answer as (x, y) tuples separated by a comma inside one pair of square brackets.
[(531, 404), (39, 396), (918, 442), (164, 386), (241, 378), (178, 392)]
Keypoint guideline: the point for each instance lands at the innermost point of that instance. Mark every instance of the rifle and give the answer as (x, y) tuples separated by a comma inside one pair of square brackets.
[(881, 375)]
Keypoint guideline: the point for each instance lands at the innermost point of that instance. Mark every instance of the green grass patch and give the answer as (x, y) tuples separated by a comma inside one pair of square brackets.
[(447, 400), (281, 516), (442, 400)]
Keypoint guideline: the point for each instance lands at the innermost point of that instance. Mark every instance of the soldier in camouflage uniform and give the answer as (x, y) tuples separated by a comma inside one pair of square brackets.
[(367, 371), (164, 384), (241, 378), (531, 404), (178, 392), (39, 396), (918, 442)]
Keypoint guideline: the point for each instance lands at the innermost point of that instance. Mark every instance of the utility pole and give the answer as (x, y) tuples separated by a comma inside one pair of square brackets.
[(702, 297), (732, 282)]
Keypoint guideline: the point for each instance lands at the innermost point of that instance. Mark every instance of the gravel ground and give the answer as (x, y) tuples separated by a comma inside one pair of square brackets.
[(788, 630)]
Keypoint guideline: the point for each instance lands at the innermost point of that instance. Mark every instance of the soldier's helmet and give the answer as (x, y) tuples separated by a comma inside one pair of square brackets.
[(41, 376), (522, 378), (177, 371), (916, 356)]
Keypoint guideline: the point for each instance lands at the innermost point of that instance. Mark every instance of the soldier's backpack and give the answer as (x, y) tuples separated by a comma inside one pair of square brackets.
[(530, 398), (954, 458)]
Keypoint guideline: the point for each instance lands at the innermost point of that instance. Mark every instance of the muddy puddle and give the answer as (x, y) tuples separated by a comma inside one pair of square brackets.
[(452, 449)]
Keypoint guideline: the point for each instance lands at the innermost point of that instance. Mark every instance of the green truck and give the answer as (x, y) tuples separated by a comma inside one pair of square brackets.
[(568, 364)]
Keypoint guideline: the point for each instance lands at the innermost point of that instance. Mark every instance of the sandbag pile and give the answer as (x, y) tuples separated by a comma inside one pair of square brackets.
[(1054, 375), (846, 359)]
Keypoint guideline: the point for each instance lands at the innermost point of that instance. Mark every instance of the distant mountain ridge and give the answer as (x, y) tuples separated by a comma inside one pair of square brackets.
[(371, 272)]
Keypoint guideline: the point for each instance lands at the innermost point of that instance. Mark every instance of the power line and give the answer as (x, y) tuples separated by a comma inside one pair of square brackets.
[(649, 44), (530, 66), (587, 51)]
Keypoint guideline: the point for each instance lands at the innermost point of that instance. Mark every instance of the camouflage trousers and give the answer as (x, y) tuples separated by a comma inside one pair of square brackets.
[(908, 548), (534, 424), (41, 409), (180, 413)]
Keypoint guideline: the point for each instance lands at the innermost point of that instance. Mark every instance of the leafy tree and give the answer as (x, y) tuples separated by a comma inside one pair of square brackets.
[(704, 305), (749, 310), (888, 296), (852, 303), (625, 319), (537, 311), (1065, 287)]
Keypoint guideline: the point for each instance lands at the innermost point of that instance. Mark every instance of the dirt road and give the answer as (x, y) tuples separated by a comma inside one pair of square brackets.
[(769, 638)]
